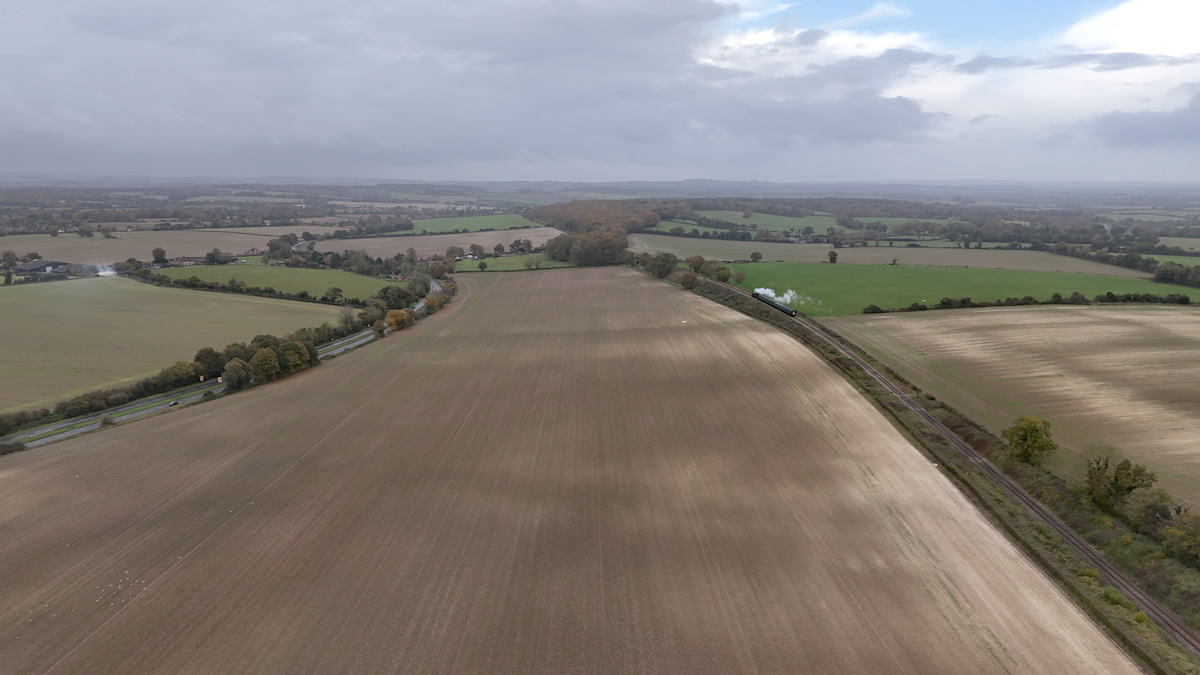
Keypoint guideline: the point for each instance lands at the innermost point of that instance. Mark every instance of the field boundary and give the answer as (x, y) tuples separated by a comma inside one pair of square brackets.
[(1051, 544)]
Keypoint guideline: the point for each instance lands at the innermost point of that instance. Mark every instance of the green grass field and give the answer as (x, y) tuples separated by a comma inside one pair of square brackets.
[(687, 225), (505, 264), (835, 290), (286, 279), (1189, 260), (471, 223), (818, 223), (66, 338), (711, 249), (1186, 243)]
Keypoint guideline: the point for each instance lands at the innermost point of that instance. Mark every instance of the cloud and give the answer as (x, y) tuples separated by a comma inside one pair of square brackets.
[(881, 10), (1174, 127), (1140, 26)]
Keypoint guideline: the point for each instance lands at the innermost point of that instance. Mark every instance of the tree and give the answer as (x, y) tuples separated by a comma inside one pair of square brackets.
[(398, 319), (178, 374), (379, 327), (437, 270), (739, 278), (476, 249), (209, 362), (663, 264), (264, 365), (160, 256), (1029, 440), (333, 294), (498, 249), (482, 266), (8, 258), (236, 375), (455, 252), (689, 280), (722, 274), (297, 356), (833, 256), (755, 257), (696, 262)]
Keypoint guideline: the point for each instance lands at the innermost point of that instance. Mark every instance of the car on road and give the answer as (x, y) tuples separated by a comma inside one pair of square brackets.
[(172, 403)]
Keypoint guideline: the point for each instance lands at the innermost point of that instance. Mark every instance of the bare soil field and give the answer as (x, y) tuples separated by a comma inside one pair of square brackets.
[(877, 255), (1122, 376), (65, 338), (633, 480), (99, 250), (436, 244)]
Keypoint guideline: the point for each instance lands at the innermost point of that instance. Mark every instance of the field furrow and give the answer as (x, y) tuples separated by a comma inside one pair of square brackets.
[(565, 471)]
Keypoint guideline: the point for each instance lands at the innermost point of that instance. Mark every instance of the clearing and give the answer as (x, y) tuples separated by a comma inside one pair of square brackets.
[(635, 480), (65, 338), (1118, 375)]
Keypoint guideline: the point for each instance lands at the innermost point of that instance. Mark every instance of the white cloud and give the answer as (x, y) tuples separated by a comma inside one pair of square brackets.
[(1143, 26)]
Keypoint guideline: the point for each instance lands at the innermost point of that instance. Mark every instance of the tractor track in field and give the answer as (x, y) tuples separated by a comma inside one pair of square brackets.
[(1161, 615)]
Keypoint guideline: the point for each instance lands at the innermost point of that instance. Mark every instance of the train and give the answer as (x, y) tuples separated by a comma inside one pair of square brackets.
[(774, 303)]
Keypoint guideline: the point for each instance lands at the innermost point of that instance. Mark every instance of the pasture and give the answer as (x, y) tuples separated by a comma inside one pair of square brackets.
[(635, 480), (1039, 261), (839, 289), (504, 221), (506, 263), (66, 338), (287, 279), (436, 244), (1115, 375), (818, 223), (138, 244), (1186, 243)]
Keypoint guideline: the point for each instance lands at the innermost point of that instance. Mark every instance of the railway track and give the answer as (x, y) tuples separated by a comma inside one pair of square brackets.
[(1156, 612)]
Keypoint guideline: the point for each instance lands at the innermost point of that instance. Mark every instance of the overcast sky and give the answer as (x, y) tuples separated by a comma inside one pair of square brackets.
[(818, 90)]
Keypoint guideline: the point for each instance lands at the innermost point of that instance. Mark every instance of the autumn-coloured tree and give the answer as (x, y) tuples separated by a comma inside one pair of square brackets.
[(696, 262), (398, 319), (689, 280)]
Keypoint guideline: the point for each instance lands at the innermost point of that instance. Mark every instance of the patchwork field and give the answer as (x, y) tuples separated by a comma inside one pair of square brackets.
[(1121, 376), (287, 279), (1186, 243), (928, 255), (506, 263), (66, 338), (436, 244), (472, 223), (833, 290), (98, 250), (635, 480)]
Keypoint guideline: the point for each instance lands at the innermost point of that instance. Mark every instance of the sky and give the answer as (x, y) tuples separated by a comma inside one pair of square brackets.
[(604, 90)]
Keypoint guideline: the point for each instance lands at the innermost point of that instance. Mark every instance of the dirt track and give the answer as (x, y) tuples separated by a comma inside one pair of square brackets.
[(559, 475)]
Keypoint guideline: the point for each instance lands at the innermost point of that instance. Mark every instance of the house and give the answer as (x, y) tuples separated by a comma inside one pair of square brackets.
[(37, 267)]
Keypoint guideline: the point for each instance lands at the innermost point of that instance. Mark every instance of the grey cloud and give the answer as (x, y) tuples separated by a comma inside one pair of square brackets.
[(809, 38), (1098, 61), (1149, 128), (981, 64), (875, 71)]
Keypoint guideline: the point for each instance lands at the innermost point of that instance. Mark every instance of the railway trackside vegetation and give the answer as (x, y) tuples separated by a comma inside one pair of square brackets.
[(1153, 565)]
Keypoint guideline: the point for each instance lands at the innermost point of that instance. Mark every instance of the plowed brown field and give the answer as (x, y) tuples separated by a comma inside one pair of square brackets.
[(631, 480), (1119, 375)]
